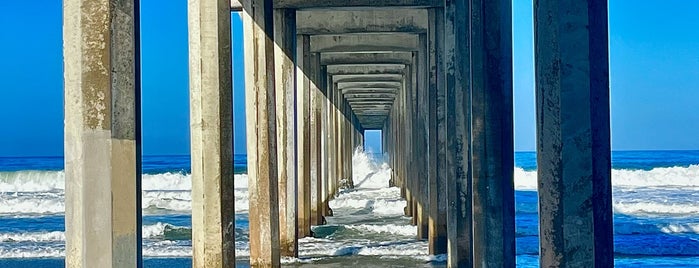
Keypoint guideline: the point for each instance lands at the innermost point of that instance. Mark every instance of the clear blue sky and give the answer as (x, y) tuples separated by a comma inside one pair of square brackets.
[(654, 48)]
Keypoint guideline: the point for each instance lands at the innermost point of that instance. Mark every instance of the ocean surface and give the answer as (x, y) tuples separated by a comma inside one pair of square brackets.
[(656, 214)]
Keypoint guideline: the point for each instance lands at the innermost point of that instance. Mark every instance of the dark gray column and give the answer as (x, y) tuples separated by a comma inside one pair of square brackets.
[(492, 143), (421, 128), (573, 136), (458, 108), (436, 134)]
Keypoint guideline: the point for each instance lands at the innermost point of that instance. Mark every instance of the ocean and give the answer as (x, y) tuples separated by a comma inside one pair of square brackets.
[(656, 214)]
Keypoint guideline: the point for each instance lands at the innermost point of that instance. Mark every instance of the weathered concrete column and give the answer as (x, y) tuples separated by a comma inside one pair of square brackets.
[(285, 71), (492, 134), (211, 114), (436, 134), (458, 108), (102, 134), (260, 107), (573, 136), (316, 140), (303, 141), (328, 139), (421, 131)]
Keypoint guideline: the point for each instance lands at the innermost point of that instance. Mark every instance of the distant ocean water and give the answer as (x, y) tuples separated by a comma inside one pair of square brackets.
[(656, 220)]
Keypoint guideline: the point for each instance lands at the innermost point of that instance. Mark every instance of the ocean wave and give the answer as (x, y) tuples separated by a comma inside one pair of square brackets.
[(54, 181), (656, 208), (32, 237), (672, 177), (633, 228), (403, 230)]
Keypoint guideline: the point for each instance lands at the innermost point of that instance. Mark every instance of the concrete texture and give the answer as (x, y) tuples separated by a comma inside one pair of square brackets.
[(458, 131), (285, 71), (261, 134), (211, 128), (492, 134), (303, 138), (102, 139), (573, 136)]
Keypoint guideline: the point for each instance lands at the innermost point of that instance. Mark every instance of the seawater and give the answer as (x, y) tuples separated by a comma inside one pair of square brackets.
[(656, 214)]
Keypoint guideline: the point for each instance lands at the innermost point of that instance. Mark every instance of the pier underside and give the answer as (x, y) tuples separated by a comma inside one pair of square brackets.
[(434, 76)]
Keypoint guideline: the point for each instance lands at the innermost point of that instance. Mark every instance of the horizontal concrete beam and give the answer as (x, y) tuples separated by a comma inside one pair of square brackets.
[(330, 58), (365, 43), (370, 84), (358, 95), (306, 4), (367, 77), (366, 69), (361, 21), (350, 91)]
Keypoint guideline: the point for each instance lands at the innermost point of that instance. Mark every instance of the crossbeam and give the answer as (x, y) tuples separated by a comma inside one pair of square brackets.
[(361, 21), (350, 43), (330, 58)]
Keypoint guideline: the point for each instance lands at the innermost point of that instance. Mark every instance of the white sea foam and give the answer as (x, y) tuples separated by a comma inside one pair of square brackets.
[(38, 192), (670, 177), (32, 237), (53, 181), (404, 230), (656, 208)]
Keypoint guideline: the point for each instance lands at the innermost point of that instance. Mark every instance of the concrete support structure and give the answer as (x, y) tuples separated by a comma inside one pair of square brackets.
[(303, 138), (211, 113), (458, 134), (573, 137), (421, 139), (435, 76), (437, 136), (284, 58), (102, 134), (492, 141), (317, 198), (261, 111)]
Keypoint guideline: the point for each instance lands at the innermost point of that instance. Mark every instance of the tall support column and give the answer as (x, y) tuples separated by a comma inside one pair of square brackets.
[(260, 107), (329, 139), (323, 93), (573, 137), (436, 143), (211, 129), (102, 134), (458, 108), (421, 128), (303, 117), (492, 136), (284, 54), (317, 198)]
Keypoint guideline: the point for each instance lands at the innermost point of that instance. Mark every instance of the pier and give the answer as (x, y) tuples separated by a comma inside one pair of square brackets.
[(435, 76)]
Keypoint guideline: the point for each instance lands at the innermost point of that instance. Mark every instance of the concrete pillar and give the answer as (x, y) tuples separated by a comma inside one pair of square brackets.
[(421, 128), (458, 126), (102, 134), (317, 198), (303, 117), (492, 134), (261, 135), (573, 137), (436, 144), (329, 154), (285, 71), (211, 114)]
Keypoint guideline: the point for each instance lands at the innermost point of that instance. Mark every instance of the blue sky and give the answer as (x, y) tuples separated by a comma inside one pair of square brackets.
[(654, 57)]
